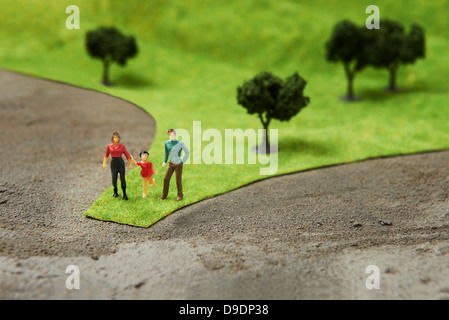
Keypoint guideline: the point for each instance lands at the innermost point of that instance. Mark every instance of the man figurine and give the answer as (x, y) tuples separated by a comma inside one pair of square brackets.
[(173, 148)]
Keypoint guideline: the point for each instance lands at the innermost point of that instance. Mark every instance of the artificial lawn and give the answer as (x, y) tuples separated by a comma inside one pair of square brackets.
[(193, 55)]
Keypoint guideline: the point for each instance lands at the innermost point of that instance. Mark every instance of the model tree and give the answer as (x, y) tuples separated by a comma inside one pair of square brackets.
[(110, 45), (392, 47), (270, 98), (348, 45)]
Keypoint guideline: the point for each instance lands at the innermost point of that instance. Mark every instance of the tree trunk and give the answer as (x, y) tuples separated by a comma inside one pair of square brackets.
[(106, 71), (392, 86), (264, 147), (266, 141), (351, 87), (350, 75)]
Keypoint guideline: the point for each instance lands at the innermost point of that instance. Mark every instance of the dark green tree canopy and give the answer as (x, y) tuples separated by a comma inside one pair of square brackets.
[(272, 98), (109, 43), (259, 94), (387, 44), (291, 98), (414, 46), (391, 47), (347, 45)]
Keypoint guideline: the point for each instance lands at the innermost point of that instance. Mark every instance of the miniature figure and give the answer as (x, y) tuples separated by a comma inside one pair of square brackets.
[(147, 172), (116, 149), (173, 148)]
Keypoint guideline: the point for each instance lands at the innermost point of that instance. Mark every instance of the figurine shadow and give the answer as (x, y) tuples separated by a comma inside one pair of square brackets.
[(302, 146), (130, 80)]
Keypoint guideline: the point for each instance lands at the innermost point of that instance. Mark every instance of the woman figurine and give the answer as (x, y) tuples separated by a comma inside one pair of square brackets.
[(147, 172), (116, 149)]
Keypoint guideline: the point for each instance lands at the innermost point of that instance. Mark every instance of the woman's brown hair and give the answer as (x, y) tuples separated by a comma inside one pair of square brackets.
[(115, 134)]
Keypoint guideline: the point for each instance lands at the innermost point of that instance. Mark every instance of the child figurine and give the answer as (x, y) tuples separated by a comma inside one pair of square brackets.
[(147, 172)]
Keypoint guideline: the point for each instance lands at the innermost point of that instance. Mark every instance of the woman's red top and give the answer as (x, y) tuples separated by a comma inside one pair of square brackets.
[(117, 152)]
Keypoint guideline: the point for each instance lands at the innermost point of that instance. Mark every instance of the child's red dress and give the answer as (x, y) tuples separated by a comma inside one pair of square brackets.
[(147, 169)]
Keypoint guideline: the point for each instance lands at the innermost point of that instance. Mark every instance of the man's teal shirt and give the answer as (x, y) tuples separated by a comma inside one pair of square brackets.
[(173, 149)]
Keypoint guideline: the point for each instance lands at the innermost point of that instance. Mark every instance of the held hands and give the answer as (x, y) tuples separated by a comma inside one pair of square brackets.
[(131, 161)]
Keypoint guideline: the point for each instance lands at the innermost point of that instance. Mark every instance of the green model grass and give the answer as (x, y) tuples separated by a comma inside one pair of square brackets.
[(194, 54)]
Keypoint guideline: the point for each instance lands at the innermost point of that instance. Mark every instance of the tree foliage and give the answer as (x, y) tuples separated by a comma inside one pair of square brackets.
[(392, 47), (273, 98), (110, 45), (270, 97), (347, 45)]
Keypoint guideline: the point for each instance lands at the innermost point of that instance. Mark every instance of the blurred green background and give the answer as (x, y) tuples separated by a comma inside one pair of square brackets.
[(194, 54)]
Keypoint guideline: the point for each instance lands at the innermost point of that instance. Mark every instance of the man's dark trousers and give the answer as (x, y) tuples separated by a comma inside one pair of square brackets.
[(177, 168)]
